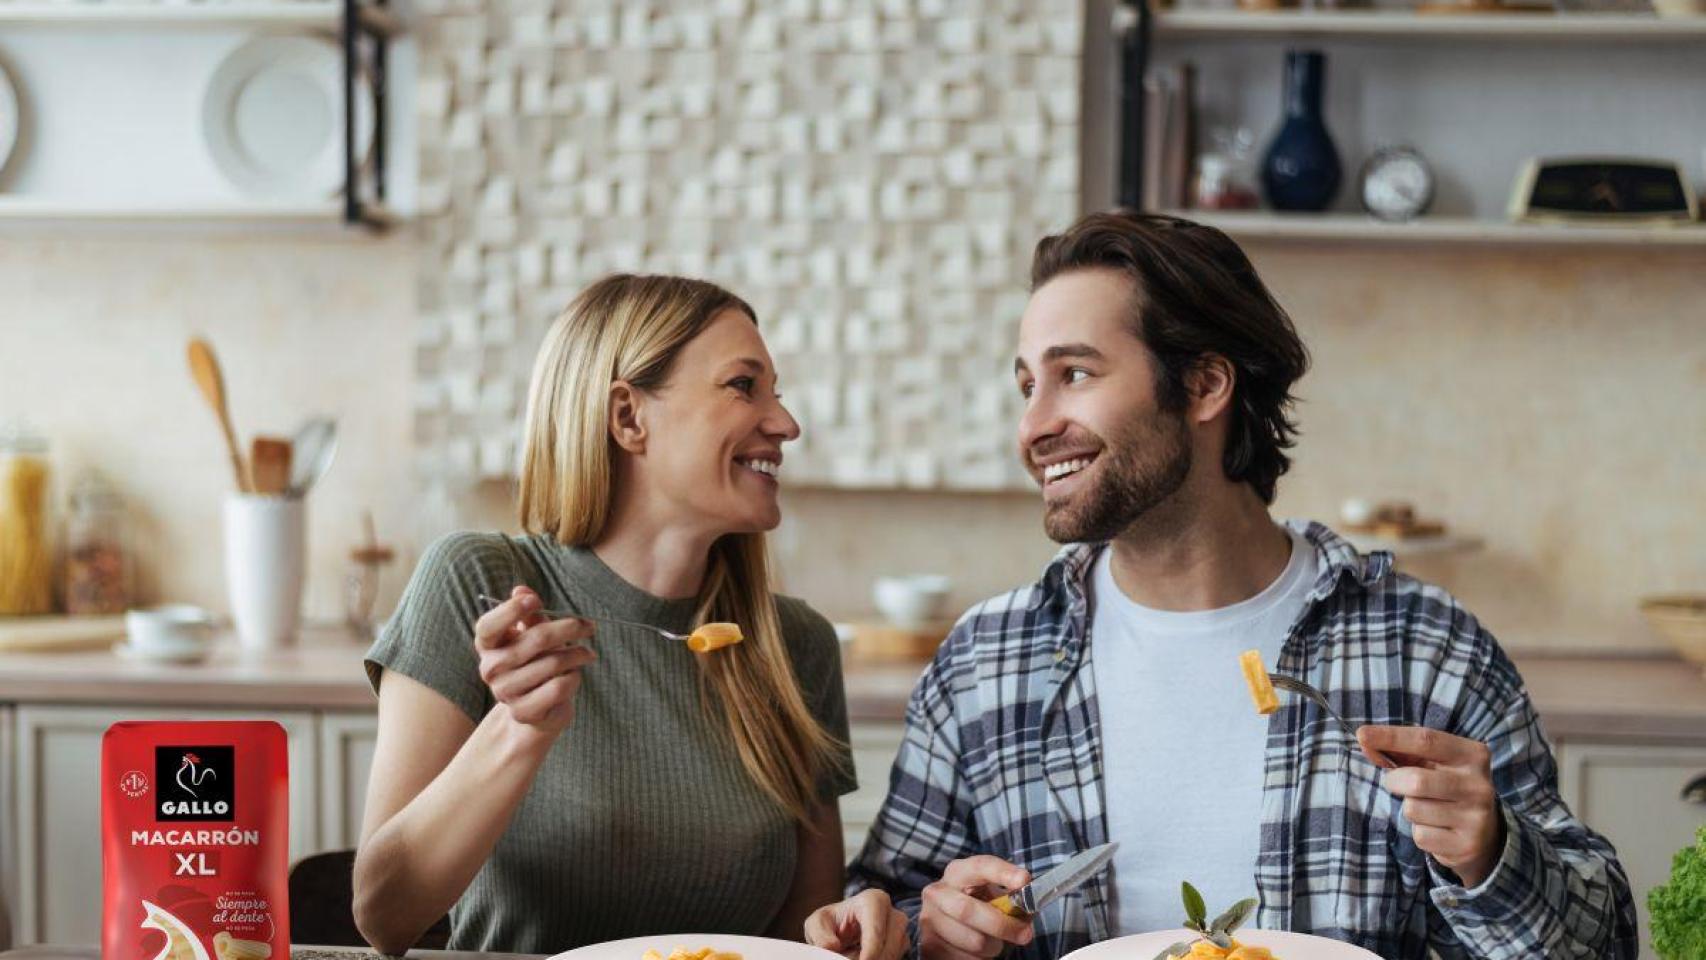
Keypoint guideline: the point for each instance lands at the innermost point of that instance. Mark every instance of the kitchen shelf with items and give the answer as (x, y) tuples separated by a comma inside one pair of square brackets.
[(1402, 127), (1406, 26), (288, 126)]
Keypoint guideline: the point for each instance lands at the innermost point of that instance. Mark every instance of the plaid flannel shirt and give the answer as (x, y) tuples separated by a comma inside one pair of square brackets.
[(1002, 755)]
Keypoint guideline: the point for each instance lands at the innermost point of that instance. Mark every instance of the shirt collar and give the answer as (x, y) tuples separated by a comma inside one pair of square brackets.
[(1065, 582)]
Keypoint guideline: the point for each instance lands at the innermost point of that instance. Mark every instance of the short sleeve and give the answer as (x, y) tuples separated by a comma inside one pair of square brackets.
[(430, 639), (817, 664)]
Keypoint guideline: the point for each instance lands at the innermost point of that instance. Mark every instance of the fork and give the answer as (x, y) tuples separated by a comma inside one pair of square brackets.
[(1316, 697), (492, 602)]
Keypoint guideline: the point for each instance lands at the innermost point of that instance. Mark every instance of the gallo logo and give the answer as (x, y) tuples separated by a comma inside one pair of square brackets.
[(194, 783)]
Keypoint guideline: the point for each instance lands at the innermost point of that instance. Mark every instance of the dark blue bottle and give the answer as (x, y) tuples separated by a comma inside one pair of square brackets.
[(1301, 170)]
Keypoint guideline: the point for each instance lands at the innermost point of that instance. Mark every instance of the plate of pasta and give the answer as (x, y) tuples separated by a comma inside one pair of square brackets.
[(699, 946), (1249, 945)]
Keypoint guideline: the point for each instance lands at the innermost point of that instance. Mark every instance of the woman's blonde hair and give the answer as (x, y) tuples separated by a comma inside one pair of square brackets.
[(631, 328)]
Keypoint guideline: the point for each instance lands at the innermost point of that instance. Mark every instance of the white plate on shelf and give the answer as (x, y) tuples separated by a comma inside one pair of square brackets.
[(1286, 946), (750, 948), (10, 118), (273, 118)]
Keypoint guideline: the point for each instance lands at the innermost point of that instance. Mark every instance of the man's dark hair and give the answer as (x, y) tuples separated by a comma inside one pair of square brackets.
[(1194, 293)]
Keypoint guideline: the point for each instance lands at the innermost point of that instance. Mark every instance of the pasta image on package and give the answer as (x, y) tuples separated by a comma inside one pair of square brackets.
[(195, 832)]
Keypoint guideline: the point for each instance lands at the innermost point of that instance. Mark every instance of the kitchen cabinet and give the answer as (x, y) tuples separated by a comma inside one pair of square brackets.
[(57, 790), (346, 756), (874, 746), (1632, 793)]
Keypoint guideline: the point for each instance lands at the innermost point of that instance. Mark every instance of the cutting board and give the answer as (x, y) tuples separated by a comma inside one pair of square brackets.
[(56, 634)]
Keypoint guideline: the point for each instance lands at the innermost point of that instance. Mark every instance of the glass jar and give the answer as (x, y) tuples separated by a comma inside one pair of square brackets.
[(26, 553), (97, 549)]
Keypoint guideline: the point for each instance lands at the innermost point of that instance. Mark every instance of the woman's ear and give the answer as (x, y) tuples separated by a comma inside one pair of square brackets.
[(1209, 386), (627, 426)]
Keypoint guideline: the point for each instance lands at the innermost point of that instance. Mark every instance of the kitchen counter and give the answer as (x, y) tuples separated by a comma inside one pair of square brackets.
[(1633, 696)]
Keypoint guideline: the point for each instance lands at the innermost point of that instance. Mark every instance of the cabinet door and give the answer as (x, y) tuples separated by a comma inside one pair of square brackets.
[(8, 830), (346, 757), (874, 746), (1633, 795), (59, 810)]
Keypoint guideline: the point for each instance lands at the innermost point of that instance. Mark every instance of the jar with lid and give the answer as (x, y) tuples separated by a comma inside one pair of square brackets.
[(26, 552), (97, 549)]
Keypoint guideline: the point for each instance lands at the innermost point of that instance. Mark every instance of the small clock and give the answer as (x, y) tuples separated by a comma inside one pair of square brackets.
[(1396, 184)]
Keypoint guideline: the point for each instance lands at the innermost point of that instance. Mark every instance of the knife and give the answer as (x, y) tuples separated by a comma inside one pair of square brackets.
[(1030, 899)]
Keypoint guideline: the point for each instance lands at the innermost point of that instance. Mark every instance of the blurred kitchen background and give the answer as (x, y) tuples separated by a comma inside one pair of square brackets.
[(1522, 387)]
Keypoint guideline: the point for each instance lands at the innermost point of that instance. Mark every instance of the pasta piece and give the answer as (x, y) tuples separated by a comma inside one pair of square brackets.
[(227, 947), (1251, 953), (1204, 950), (708, 637), (1256, 675)]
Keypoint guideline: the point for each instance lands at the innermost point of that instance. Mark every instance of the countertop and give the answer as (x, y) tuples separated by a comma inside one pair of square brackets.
[(1597, 696)]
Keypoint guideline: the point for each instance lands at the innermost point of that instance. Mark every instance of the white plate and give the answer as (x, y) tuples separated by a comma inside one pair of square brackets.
[(1286, 946), (750, 948), (273, 118), (9, 118)]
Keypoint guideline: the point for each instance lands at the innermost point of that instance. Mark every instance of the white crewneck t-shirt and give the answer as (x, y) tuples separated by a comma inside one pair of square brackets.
[(1182, 747)]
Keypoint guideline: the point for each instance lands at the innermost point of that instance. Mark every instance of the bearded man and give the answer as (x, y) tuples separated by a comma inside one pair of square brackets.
[(1104, 702)]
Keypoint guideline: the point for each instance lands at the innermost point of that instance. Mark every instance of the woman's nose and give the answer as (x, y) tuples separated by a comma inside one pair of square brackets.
[(781, 424)]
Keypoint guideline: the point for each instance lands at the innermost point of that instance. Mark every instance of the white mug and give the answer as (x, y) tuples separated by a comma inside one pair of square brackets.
[(266, 553)]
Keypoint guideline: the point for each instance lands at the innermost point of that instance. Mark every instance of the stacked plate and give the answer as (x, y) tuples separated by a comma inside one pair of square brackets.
[(273, 118)]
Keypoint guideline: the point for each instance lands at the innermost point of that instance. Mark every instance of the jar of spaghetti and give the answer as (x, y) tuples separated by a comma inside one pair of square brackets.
[(26, 554)]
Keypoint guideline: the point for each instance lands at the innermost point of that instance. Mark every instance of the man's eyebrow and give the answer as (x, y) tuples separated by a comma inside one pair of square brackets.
[(1061, 351)]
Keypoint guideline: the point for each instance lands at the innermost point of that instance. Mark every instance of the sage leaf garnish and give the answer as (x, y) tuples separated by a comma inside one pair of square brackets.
[(1195, 910), (1234, 916), (1219, 932)]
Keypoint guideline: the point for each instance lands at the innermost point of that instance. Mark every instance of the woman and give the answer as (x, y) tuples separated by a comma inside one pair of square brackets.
[(551, 792)]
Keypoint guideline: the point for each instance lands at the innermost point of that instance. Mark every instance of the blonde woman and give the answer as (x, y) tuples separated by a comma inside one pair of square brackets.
[(554, 782)]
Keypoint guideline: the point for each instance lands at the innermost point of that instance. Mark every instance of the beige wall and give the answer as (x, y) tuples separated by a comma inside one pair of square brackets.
[(1551, 403), (92, 335)]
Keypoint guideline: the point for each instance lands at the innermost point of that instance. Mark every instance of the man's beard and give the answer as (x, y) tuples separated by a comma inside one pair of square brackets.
[(1139, 470)]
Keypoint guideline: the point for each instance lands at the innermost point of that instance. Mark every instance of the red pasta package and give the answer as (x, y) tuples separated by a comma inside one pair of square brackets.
[(195, 820)]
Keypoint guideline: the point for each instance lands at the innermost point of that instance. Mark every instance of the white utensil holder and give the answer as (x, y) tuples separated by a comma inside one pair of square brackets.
[(266, 555)]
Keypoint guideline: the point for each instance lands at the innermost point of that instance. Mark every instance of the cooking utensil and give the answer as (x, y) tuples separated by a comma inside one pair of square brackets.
[(204, 367), (269, 465), (692, 640), (316, 443), (1028, 900)]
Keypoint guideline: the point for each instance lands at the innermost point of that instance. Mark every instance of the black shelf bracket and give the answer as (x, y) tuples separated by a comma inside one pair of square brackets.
[(1134, 40), (368, 27)]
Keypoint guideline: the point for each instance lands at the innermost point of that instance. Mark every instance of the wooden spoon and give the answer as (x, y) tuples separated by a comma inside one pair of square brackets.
[(269, 465), (204, 367)]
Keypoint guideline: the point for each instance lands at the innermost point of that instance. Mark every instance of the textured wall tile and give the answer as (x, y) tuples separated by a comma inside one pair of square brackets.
[(870, 174)]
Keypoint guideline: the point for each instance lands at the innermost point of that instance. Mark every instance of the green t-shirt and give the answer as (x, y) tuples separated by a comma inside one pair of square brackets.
[(642, 820)]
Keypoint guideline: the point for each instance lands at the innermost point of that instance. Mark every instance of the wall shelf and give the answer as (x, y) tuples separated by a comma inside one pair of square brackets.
[(270, 216), (304, 15), (1360, 229), (1537, 27)]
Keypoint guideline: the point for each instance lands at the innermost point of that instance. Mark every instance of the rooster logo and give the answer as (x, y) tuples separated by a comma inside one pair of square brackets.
[(192, 766)]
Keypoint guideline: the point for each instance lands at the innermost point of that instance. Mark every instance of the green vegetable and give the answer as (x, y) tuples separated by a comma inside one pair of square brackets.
[(1678, 908), (1218, 933)]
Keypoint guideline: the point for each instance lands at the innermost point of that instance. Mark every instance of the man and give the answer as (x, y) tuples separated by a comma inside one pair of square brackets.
[(1104, 702)]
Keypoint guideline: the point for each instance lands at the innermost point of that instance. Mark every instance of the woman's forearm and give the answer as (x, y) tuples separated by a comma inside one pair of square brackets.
[(415, 866)]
